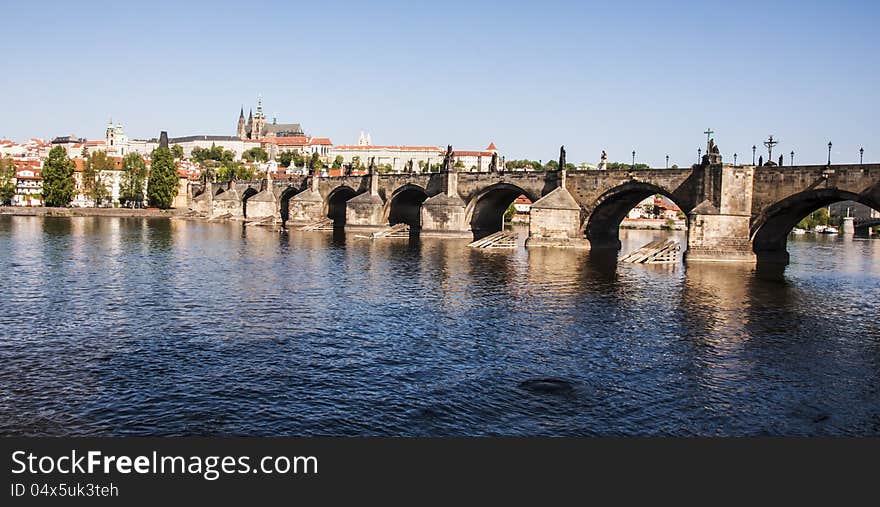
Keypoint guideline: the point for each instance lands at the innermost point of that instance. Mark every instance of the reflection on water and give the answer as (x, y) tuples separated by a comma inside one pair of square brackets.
[(114, 326)]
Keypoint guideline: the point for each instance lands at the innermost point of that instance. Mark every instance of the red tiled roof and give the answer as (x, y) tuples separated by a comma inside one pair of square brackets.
[(286, 141), (470, 153), (491, 147), (388, 147)]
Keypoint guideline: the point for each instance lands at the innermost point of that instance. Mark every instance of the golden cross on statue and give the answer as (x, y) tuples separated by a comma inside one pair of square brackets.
[(708, 133)]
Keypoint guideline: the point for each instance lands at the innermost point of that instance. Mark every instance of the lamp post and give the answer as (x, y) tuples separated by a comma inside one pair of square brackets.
[(734, 159), (753, 153), (634, 159), (861, 155), (667, 161), (829, 152), (699, 155), (792, 158)]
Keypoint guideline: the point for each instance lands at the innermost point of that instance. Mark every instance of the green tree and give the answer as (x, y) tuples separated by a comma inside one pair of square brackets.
[(509, 213), (255, 154), (818, 217), (626, 165), (337, 162), (177, 151), (285, 158), (93, 179), (134, 176), (215, 152), (356, 163), (162, 185), (58, 184), (7, 181)]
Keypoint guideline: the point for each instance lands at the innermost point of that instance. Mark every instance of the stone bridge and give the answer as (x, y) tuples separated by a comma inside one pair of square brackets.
[(735, 213)]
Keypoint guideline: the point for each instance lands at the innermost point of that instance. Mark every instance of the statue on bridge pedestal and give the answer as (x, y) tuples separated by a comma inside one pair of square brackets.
[(713, 154), (562, 157), (448, 162), (493, 164), (603, 161)]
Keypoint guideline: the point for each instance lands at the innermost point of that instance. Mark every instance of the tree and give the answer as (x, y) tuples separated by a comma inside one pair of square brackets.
[(162, 185), (356, 163), (255, 154), (285, 158), (213, 153), (7, 181), (509, 213), (626, 165), (92, 180), (818, 217), (177, 151), (58, 184), (134, 175), (337, 162), (314, 161)]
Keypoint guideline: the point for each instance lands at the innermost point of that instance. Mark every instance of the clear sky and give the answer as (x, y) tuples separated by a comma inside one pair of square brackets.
[(648, 76)]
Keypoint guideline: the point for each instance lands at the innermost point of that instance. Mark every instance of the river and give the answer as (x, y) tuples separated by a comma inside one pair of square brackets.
[(132, 326)]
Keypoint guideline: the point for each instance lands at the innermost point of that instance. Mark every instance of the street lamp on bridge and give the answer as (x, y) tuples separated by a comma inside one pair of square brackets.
[(734, 159), (667, 161), (861, 155), (829, 152), (792, 158), (634, 159), (699, 155), (753, 153)]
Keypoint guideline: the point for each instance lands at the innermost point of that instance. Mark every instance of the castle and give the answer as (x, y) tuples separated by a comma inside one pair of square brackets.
[(256, 128)]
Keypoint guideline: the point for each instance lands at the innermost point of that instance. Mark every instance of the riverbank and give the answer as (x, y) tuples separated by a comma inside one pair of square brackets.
[(41, 211), (652, 224)]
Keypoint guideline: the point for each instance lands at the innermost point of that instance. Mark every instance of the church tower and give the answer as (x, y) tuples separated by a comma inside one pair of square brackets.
[(241, 131), (250, 124), (259, 120)]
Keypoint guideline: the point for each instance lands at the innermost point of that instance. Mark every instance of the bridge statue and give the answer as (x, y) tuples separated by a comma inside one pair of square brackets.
[(562, 157), (493, 164), (448, 162), (603, 161)]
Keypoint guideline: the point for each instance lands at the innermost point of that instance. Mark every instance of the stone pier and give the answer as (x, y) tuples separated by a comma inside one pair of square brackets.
[(718, 229)]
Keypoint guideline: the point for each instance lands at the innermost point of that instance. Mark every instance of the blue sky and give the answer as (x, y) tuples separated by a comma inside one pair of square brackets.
[(623, 76)]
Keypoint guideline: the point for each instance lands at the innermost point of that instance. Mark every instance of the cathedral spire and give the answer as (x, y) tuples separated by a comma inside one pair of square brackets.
[(241, 114)]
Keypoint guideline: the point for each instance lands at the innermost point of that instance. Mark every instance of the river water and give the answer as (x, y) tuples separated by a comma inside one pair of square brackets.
[(120, 326)]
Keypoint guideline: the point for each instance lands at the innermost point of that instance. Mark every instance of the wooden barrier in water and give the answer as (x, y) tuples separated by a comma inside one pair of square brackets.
[(324, 224), (661, 251), (500, 239)]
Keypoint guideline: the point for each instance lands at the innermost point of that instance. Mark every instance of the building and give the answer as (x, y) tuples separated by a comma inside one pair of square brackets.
[(395, 156), (256, 128), (115, 140), (476, 161), (304, 145), (28, 182)]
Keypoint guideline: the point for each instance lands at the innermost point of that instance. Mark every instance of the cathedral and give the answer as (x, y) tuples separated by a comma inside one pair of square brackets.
[(256, 127)]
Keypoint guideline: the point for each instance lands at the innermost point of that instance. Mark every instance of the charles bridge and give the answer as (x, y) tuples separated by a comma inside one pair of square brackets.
[(735, 213)]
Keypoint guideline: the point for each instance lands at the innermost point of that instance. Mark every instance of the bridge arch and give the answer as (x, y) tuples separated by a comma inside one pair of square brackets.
[(770, 230), (404, 206), (485, 211), (247, 194), (603, 224), (334, 206), (284, 202)]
